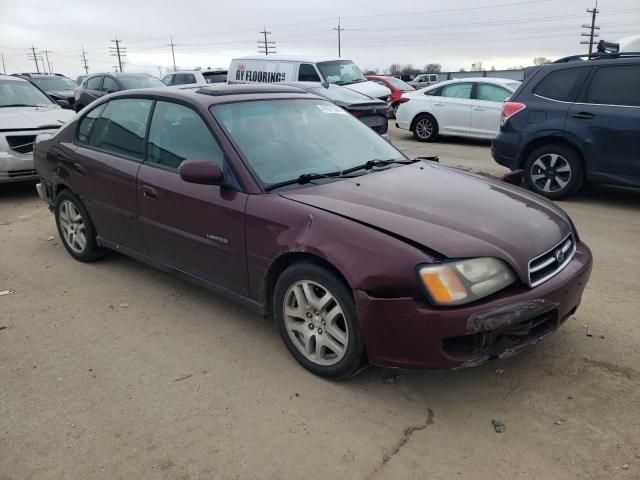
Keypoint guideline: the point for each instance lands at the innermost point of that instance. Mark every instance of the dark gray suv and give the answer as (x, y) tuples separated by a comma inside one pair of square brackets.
[(572, 121)]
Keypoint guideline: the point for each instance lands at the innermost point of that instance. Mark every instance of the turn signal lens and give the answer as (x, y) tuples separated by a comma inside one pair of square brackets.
[(443, 284)]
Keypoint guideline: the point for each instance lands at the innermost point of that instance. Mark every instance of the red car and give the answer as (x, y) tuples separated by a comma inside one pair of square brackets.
[(281, 200), (397, 86)]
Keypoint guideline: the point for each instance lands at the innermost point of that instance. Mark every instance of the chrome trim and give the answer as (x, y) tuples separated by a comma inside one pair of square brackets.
[(582, 103), (568, 244)]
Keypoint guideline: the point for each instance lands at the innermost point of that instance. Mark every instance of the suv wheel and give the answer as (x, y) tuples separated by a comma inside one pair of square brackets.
[(553, 171), (75, 228), (317, 320), (425, 128)]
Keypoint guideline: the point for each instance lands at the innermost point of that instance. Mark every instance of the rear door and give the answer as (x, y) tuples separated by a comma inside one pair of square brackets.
[(486, 109), (92, 90), (110, 148), (197, 229), (452, 108), (607, 114)]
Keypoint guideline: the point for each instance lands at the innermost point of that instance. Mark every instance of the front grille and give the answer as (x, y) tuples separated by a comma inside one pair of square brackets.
[(550, 263), (21, 173), (21, 143)]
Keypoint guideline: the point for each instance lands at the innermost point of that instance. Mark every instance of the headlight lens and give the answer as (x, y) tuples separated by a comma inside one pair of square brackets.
[(464, 281)]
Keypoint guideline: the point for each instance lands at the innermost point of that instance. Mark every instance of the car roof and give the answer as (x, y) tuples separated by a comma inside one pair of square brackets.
[(208, 70), (14, 78), (292, 58), (220, 93)]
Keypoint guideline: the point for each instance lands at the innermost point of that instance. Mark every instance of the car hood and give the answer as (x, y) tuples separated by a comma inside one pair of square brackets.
[(19, 118), (451, 212), (64, 94), (370, 88)]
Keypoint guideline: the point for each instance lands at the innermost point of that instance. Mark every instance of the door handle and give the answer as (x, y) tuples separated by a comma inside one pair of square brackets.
[(583, 115), (479, 109), (438, 104), (78, 168), (149, 192)]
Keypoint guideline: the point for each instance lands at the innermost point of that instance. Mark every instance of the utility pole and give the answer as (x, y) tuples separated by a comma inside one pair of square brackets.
[(4, 68), (118, 51), (33, 56), (46, 54), (173, 54), (592, 28), (339, 29), (84, 62), (266, 46)]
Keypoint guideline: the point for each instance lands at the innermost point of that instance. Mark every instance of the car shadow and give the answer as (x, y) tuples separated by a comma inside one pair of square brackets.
[(606, 195), (18, 191)]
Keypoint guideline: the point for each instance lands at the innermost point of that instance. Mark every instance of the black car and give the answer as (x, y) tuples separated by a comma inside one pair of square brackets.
[(55, 85), (572, 121), (99, 84), (372, 112)]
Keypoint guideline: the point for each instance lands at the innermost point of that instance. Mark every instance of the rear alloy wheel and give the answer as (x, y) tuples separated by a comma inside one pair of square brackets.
[(75, 228), (425, 128), (317, 320), (553, 171)]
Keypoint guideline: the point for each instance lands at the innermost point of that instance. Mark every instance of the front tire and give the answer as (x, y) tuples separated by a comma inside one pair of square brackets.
[(425, 128), (317, 320), (553, 171), (75, 228)]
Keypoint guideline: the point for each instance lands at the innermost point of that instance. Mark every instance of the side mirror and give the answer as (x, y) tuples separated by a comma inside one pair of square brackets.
[(111, 90), (203, 173), (63, 103)]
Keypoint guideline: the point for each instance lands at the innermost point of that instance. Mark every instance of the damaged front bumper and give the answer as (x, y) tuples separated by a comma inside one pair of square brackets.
[(403, 332)]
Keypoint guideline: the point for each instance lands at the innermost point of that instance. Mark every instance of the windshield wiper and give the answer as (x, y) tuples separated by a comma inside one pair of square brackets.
[(376, 163), (17, 105)]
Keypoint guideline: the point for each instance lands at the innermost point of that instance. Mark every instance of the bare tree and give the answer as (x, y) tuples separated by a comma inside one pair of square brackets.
[(541, 61), (395, 69), (433, 68)]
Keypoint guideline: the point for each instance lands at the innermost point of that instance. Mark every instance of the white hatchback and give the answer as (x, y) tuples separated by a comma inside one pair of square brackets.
[(469, 107)]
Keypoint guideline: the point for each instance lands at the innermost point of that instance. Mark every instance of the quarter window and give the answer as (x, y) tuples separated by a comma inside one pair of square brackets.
[(619, 85), (307, 73), (189, 78), (178, 133), (87, 123), (121, 128), (94, 83), (457, 90), (168, 80), (492, 93), (109, 84), (559, 85)]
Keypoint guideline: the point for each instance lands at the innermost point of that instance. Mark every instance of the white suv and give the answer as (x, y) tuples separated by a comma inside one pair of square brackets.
[(469, 107), (195, 77)]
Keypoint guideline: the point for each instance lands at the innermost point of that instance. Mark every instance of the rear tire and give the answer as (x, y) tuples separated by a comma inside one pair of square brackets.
[(425, 128), (553, 171), (317, 320), (75, 228)]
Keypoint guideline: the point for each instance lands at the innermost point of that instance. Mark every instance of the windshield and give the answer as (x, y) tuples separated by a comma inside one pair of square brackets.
[(140, 82), (341, 72), (340, 94), (21, 93), (283, 139), (215, 77), (399, 84), (50, 84)]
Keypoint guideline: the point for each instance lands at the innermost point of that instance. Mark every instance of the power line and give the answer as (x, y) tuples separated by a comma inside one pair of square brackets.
[(85, 65), (173, 53), (592, 28), (119, 52), (339, 29), (266, 46)]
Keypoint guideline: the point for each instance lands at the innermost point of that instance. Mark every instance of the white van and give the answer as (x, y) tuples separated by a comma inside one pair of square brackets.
[(277, 68)]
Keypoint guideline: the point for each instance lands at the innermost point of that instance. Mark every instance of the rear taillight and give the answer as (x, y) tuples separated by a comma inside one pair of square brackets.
[(509, 109), (356, 113), (404, 99)]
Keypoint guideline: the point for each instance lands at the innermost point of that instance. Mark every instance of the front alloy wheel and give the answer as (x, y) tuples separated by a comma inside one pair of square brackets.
[(317, 320)]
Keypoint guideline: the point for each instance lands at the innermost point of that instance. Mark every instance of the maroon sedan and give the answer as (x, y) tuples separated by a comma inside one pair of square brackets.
[(281, 200), (397, 87)]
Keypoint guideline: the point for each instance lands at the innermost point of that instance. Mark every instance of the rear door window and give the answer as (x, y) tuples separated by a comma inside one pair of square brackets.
[(189, 78), (168, 80), (307, 73), (492, 93), (615, 85), (560, 84), (177, 134), (121, 128), (179, 79), (85, 128), (94, 83), (215, 77), (457, 90), (109, 84)]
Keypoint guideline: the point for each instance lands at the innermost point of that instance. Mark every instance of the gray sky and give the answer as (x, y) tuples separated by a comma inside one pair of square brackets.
[(500, 33)]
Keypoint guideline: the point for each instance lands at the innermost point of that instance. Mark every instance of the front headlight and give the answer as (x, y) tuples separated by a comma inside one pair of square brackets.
[(464, 281)]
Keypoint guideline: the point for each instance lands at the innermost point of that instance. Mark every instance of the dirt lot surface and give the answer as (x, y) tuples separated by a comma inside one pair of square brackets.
[(114, 370)]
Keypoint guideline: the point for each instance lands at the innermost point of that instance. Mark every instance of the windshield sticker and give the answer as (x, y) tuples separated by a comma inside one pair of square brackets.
[(331, 109)]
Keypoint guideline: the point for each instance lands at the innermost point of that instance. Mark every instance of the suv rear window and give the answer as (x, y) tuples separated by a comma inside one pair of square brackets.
[(617, 85), (559, 84)]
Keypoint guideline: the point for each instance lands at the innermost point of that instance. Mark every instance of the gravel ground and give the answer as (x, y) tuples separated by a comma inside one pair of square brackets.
[(114, 370)]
